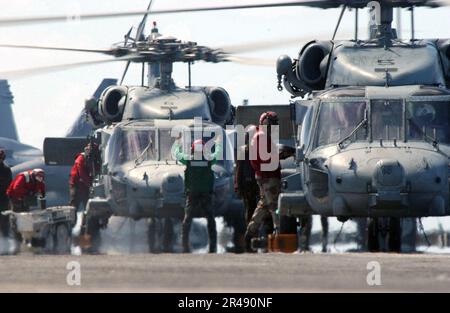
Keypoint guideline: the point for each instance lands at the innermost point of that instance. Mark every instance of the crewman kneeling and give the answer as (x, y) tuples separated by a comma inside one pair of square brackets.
[(24, 188)]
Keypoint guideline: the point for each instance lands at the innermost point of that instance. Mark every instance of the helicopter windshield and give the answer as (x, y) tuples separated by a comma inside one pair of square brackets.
[(337, 120), (130, 144), (387, 119), (428, 119)]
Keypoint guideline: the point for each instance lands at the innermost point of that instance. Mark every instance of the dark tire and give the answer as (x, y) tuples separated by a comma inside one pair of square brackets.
[(62, 239), (93, 230), (49, 242), (288, 225)]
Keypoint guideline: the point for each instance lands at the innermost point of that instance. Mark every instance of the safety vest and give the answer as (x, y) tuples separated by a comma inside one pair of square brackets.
[(198, 176)]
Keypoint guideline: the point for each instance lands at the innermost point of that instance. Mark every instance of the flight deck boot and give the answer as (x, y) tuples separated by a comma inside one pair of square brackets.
[(212, 233), (185, 239)]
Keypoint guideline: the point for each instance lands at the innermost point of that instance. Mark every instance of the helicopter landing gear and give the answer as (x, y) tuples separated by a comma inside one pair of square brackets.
[(156, 241), (384, 234), (92, 239)]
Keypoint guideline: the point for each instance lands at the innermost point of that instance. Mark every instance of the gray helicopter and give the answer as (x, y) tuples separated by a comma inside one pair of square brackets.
[(139, 177), (373, 131)]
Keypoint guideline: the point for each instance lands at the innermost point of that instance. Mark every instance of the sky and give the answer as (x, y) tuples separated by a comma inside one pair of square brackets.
[(46, 105)]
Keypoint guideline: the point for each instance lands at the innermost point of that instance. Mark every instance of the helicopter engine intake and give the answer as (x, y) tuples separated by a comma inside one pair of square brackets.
[(112, 102), (312, 64), (219, 104)]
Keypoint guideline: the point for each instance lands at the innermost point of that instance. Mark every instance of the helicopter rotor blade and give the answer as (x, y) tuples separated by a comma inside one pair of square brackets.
[(90, 16), (104, 51), (140, 30), (251, 61), (324, 4), (27, 72)]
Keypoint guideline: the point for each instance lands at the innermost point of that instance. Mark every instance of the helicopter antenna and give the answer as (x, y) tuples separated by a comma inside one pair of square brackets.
[(339, 21)]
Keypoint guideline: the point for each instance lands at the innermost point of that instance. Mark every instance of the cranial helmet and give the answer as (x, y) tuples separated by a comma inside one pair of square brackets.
[(39, 174), (197, 146), (268, 118)]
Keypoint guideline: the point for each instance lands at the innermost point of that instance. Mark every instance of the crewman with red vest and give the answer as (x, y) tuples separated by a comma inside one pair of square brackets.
[(82, 175), (24, 188), (265, 160)]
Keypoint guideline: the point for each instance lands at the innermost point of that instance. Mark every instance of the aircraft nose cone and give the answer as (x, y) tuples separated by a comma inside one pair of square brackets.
[(389, 173)]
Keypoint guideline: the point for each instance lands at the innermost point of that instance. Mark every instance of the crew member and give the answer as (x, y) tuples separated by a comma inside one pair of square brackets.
[(305, 232), (245, 185), (5, 180), (22, 191), (266, 163), (199, 187), (82, 175)]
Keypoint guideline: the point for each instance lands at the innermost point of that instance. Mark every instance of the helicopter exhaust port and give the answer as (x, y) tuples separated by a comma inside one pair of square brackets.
[(313, 63), (219, 104), (112, 102)]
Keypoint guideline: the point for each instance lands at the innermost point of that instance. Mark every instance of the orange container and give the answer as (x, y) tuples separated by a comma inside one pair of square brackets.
[(286, 243)]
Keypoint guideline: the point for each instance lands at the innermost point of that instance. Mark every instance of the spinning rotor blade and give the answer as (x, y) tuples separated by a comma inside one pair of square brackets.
[(325, 4), (27, 72), (251, 61), (104, 51), (68, 18)]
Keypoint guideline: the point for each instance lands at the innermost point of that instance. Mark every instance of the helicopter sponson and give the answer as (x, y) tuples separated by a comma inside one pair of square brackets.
[(122, 103)]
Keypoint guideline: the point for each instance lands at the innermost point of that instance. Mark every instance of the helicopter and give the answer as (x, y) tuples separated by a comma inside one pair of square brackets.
[(115, 113), (139, 177), (373, 167), (373, 138)]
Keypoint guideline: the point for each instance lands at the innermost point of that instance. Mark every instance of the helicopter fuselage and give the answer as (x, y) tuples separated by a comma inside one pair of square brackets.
[(372, 151), (141, 178)]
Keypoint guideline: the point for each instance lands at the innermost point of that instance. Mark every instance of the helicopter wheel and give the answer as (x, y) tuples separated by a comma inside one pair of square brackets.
[(384, 234), (93, 230), (62, 239)]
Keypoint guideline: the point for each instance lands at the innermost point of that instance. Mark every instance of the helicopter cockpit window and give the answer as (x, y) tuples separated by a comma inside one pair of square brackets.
[(337, 120), (428, 119), (166, 142), (130, 144), (305, 129), (387, 119)]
